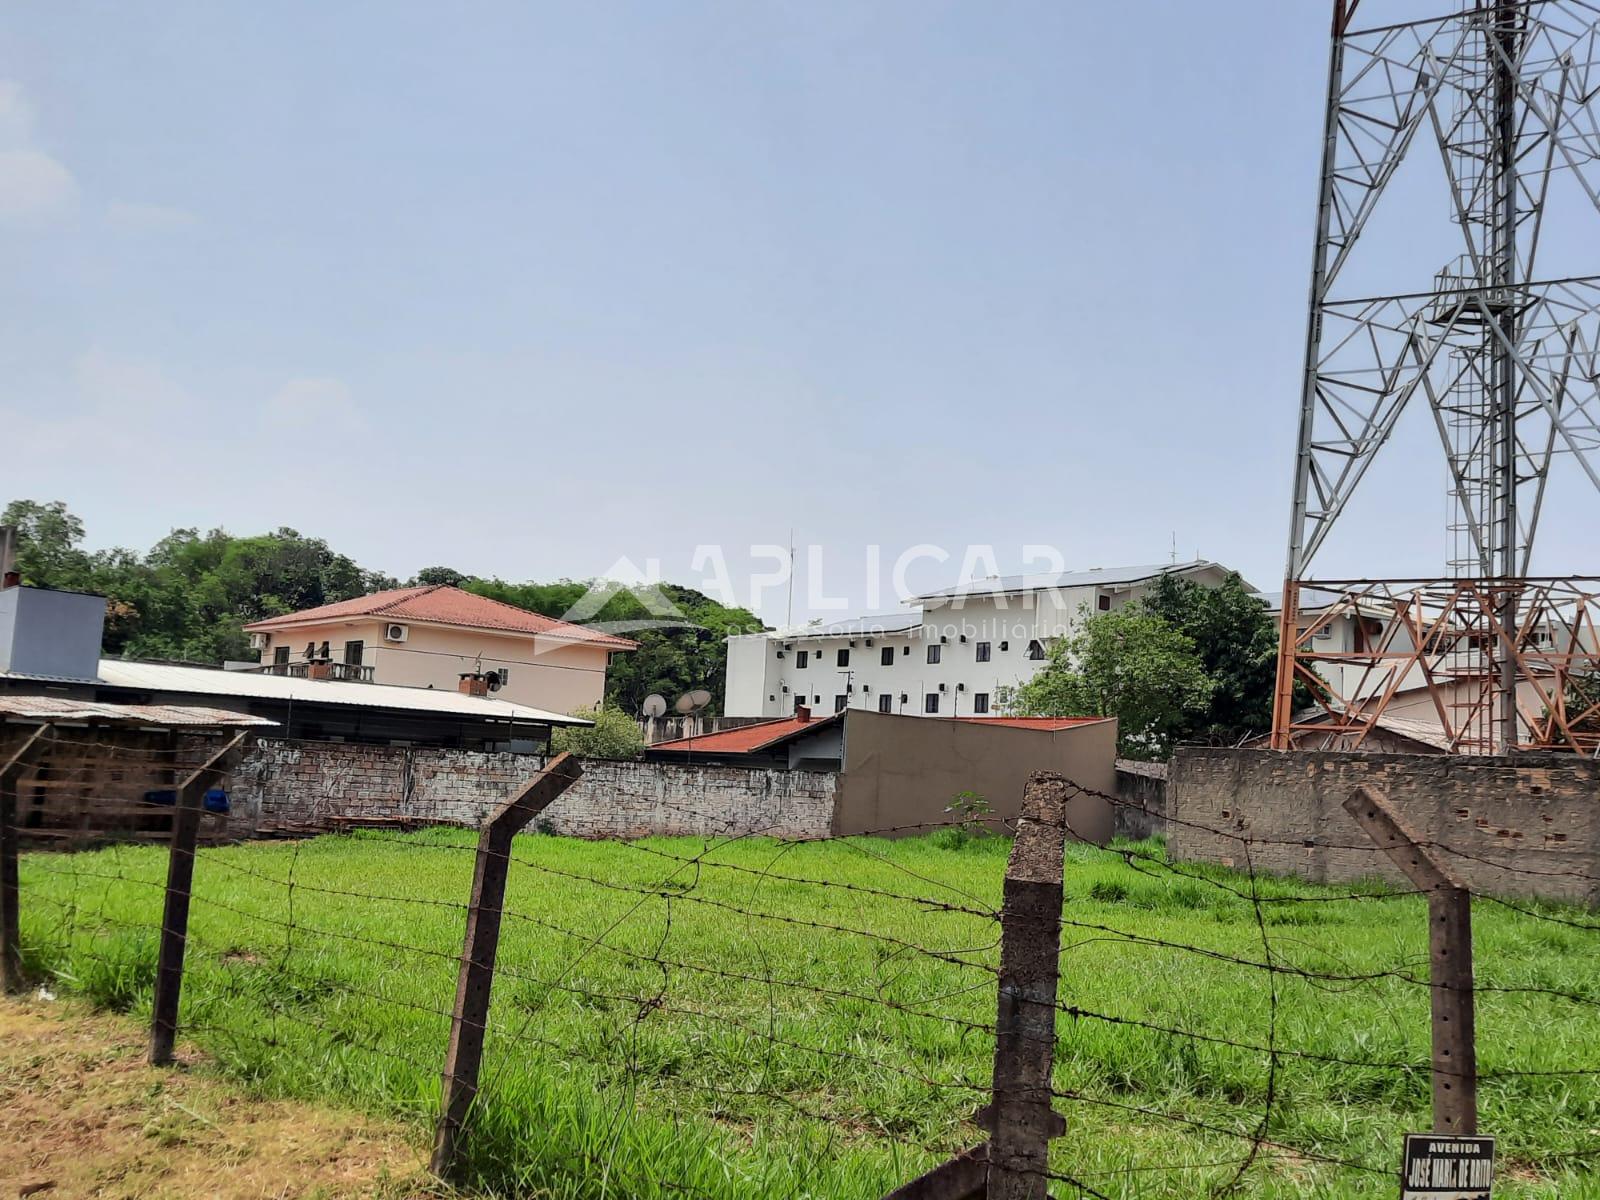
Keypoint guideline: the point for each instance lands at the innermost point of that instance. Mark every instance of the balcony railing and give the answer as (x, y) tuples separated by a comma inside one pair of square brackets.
[(342, 672)]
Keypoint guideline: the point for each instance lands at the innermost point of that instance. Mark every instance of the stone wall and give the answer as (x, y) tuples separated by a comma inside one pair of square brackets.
[(296, 787), (1522, 825)]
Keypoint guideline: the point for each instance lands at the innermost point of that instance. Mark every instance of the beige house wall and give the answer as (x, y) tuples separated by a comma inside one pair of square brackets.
[(902, 772), (548, 673)]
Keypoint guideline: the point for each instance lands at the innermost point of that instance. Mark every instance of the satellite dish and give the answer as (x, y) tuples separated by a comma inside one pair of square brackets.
[(492, 679), (654, 705), (699, 698), (684, 705)]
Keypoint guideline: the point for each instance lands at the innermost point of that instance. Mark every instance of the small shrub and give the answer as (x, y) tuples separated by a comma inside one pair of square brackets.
[(614, 734)]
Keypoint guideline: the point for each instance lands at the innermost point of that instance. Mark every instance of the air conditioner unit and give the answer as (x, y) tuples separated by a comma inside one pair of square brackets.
[(259, 641), (396, 633)]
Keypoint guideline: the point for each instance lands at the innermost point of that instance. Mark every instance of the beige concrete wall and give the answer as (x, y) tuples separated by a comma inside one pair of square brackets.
[(546, 673), (1520, 825), (900, 772)]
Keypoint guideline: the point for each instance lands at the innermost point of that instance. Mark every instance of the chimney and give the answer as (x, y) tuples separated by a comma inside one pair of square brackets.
[(473, 684), (802, 713), (10, 577)]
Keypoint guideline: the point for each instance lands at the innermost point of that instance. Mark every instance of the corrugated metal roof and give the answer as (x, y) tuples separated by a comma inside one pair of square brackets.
[(1095, 577), (1048, 724), (746, 739), (205, 681), (60, 708), (444, 605), (864, 626)]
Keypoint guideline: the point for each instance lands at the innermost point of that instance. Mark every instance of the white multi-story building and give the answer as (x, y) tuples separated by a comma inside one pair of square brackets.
[(949, 657)]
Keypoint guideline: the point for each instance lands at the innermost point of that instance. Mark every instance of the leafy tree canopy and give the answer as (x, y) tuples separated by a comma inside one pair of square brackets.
[(614, 734), (1237, 642), (1130, 664)]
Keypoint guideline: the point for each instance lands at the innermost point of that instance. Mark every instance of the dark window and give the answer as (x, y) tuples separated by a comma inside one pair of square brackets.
[(799, 703), (886, 658), (930, 702), (281, 654), (934, 651), (980, 702), (1105, 603), (1005, 645), (982, 652), (905, 649), (816, 699), (801, 657), (1035, 649), (839, 702), (886, 702), (843, 658), (352, 653)]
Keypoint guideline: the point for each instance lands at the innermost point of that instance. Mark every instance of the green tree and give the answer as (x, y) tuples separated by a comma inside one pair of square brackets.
[(48, 544), (614, 734), (1129, 664), (1237, 643), (445, 575)]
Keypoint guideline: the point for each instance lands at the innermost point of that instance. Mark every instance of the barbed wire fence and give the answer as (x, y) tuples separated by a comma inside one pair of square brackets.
[(898, 1029)]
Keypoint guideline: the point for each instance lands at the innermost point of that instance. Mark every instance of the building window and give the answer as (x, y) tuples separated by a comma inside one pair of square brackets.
[(839, 702), (352, 653), (801, 657), (982, 652), (1036, 650), (281, 655), (934, 652), (886, 658), (1005, 645), (886, 702), (905, 650), (816, 699), (843, 658), (930, 702), (980, 702), (1104, 603), (1326, 631), (799, 703)]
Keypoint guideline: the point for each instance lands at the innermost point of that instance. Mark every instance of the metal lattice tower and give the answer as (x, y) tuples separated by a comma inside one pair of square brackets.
[(1503, 342)]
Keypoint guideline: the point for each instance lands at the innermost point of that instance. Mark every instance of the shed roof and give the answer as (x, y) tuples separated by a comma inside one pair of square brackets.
[(210, 681), (440, 604), (747, 739), (60, 708)]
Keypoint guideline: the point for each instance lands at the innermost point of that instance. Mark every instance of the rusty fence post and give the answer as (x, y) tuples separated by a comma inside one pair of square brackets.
[(1455, 1053), (175, 910), (10, 891), (470, 1017)]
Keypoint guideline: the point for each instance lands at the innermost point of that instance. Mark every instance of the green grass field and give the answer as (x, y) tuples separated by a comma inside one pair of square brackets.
[(683, 1018)]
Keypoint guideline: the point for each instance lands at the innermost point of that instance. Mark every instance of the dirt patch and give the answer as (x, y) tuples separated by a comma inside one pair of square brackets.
[(83, 1115)]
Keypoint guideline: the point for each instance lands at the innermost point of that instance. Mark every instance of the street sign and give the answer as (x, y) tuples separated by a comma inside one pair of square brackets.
[(1438, 1167)]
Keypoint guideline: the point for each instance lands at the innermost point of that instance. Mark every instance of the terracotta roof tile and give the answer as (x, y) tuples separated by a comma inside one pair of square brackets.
[(444, 605)]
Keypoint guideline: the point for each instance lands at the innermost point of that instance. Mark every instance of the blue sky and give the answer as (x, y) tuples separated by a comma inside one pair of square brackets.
[(527, 288)]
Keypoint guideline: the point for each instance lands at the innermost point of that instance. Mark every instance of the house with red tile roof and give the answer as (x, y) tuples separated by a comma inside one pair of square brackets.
[(441, 637)]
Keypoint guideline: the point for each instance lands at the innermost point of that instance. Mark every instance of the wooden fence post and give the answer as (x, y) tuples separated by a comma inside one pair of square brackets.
[(180, 880), (470, 1019), (10, 898), (1455, 1053)]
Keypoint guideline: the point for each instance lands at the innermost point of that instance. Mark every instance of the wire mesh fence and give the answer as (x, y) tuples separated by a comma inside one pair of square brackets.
[(740, 1015)]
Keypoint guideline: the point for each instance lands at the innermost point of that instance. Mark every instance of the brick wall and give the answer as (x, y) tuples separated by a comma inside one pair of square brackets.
[(302, 786), (1143, 788), (1527, 825)]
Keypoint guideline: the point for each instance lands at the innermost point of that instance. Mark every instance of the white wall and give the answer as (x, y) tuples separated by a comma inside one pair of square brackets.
[(762, 684)]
